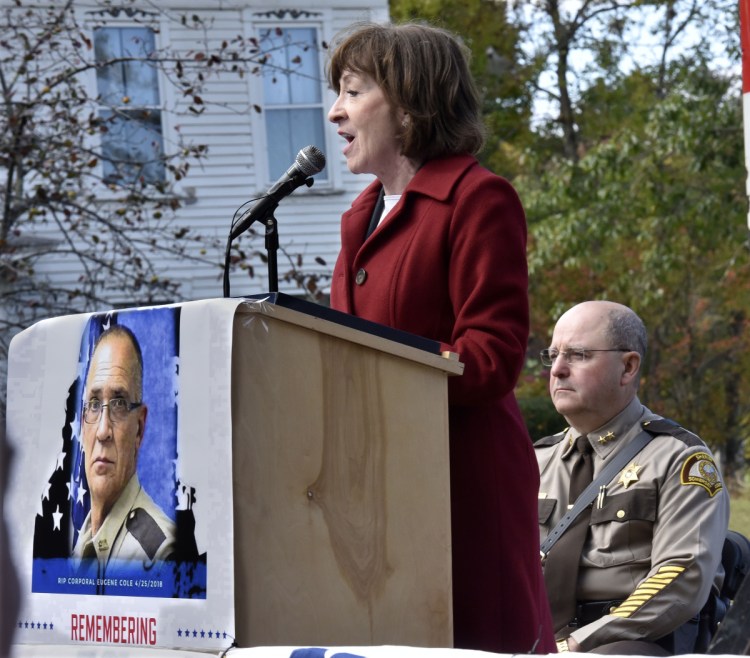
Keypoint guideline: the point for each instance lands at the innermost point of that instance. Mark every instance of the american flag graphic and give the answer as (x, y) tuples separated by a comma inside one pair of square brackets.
[(64, 501)]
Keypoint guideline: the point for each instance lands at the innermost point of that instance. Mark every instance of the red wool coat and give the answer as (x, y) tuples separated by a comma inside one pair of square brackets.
[(449, 263)]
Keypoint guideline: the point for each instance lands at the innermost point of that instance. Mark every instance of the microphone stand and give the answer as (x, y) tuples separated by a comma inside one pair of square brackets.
[(272, 248)]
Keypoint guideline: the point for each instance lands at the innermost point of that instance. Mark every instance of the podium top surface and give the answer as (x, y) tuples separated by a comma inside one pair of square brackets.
[(365, 332)]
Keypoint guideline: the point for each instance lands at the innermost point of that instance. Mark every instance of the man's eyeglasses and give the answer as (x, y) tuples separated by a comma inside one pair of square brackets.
[(578, 355), (117, 408)]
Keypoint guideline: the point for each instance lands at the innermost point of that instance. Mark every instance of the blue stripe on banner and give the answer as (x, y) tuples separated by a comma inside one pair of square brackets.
[(164, 579)]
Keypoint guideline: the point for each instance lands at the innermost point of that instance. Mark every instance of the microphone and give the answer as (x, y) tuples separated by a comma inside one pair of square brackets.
[(309, 161)]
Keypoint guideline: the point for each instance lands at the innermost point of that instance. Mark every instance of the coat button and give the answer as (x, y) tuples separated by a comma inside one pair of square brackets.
[(361, 276)]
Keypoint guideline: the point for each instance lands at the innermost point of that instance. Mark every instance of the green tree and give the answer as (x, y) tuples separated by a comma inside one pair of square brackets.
[(580, 51), (654, 217), (628, 157)]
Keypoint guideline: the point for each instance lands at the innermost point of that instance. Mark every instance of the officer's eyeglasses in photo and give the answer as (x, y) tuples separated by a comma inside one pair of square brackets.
[(117, 408)]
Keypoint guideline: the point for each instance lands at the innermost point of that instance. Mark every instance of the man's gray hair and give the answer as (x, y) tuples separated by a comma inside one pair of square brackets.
[(627, 331)]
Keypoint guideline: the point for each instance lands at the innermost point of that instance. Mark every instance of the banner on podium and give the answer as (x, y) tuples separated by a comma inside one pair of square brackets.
[(120, 499)]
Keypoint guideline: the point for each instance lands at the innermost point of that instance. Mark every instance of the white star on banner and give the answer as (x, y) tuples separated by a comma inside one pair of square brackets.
[(45, 495), (57, 516), (60, 458), (81, 493)]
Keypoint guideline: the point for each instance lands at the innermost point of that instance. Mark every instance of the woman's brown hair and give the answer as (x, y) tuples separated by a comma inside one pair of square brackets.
[(423, 70)]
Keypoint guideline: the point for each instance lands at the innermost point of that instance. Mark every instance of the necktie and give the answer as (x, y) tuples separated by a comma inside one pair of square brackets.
[(561, 565)]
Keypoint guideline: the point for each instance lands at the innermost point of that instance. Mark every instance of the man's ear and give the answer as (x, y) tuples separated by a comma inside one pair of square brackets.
[(631, 362), (142, 414)]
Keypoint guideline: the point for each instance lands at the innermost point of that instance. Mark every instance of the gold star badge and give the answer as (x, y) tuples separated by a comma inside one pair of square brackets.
[(609, 436), (630, 474)]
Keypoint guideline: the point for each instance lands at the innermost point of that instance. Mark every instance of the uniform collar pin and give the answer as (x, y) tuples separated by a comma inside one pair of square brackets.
[(606, 438)]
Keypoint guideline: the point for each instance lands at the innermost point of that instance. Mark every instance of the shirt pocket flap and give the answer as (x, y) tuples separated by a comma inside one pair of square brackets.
[(635, 505)]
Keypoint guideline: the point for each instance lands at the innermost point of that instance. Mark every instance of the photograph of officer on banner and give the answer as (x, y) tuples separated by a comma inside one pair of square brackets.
[(116, 519), (124, 522)]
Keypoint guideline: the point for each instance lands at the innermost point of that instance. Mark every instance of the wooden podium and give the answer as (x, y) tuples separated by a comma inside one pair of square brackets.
[(313, 445), (340, 481)]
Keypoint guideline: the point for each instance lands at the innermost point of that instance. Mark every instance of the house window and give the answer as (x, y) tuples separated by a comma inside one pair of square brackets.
[(293, 95), (129, 107)]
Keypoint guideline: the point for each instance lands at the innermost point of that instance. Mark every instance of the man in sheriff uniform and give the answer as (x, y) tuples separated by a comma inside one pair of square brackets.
[(652, 539), (124, 523)]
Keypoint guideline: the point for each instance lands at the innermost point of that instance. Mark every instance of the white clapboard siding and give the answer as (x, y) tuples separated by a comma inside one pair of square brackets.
[(228, 177)]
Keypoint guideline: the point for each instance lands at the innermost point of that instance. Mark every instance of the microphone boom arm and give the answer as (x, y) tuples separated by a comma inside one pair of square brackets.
[(310, 160)]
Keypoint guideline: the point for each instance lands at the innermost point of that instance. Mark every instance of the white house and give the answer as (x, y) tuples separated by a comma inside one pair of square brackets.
[(247, 149)]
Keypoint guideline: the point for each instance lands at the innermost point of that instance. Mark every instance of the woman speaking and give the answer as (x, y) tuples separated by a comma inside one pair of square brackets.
[(436, 246)]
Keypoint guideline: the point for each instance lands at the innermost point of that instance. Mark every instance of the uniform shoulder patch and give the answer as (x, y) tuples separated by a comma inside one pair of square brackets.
[(699, 469), (146, 531)]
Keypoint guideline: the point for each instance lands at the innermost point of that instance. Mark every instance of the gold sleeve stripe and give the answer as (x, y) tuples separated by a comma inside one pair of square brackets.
[(647, 590)]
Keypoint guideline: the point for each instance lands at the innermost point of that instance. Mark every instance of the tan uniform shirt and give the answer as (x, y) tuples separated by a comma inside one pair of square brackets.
[(656, 531), (135, 529)]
